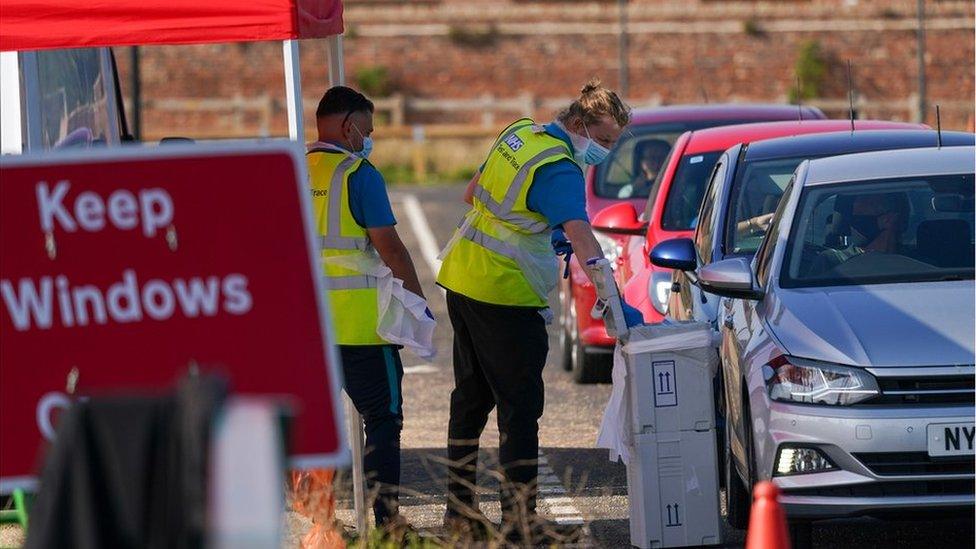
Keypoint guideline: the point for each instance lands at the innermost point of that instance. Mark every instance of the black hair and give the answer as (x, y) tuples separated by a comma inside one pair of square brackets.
[(342, 100)]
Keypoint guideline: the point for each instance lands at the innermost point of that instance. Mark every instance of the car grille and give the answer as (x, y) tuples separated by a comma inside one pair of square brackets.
[(915, 463), (890, 489), (958, 389)]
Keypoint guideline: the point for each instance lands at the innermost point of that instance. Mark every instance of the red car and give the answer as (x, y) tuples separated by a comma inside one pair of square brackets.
[(672, 212), (626, 177)]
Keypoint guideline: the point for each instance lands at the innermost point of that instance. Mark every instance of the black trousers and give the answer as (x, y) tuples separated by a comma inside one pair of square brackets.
[(499, 353), (373, 380)]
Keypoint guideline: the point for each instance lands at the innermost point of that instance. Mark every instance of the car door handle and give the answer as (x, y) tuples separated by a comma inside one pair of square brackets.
[(728, 322)]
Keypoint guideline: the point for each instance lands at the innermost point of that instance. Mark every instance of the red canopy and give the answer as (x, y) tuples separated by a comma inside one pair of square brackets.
[(46, 24)]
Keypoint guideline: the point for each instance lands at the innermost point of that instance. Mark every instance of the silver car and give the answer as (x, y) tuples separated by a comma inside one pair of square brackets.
[(848, 341)]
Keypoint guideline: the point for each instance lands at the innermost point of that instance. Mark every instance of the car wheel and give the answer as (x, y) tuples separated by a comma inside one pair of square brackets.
[(587, 368), (737, 495), (566, 321)]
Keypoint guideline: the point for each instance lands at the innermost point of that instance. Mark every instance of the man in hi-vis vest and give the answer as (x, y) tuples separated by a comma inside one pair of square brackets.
[(362, 258), (498, 270)]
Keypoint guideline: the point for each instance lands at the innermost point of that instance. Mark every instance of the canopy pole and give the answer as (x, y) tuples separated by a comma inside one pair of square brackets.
[(293, 91), (337, 77), (337, 69)]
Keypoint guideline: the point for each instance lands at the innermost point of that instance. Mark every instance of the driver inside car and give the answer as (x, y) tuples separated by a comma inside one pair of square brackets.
[(876, 224), (649, 156)]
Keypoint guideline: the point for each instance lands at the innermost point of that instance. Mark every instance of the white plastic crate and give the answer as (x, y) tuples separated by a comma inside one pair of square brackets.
[(670, 368), (672, 480)]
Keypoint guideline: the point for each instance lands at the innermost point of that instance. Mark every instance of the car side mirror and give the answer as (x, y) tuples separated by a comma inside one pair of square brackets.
[(730, 278), (677, 253), (619, 219)]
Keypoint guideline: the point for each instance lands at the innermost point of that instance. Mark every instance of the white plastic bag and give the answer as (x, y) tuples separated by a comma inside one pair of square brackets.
[(615, 432), (402, 314)]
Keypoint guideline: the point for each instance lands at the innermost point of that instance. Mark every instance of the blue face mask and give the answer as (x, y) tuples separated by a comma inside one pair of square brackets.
[(367, 144), (367, 148), (594, 153)]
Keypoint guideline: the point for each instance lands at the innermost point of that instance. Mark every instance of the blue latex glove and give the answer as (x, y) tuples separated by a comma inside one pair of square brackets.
[(632, 316), (562, 246)]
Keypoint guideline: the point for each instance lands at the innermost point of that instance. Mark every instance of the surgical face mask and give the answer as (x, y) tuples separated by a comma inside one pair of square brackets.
[(589, 151), (367, 144), (595, 153)]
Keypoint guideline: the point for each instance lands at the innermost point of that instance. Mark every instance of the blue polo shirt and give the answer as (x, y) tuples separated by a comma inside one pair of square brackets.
[(558, 191), (368, 201)]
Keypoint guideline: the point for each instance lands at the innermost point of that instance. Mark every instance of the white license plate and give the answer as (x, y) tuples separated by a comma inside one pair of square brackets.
[(951, 439)]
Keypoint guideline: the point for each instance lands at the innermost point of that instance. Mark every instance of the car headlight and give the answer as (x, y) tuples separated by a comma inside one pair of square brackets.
[(611, 250), (790, 379), (659, 290)]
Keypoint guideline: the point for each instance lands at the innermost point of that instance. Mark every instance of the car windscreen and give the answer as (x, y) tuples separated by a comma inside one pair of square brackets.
[(897, 230), (755, 194), (687, 190), (630, 170), (635, 161)]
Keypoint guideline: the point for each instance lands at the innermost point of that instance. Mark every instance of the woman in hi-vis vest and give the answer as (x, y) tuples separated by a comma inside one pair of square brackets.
[(498, 270)]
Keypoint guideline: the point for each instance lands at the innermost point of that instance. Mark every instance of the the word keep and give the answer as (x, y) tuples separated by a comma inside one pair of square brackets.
[(152, 209)]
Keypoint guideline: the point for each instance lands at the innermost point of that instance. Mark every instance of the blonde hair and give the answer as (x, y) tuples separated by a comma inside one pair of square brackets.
[(595, 102)]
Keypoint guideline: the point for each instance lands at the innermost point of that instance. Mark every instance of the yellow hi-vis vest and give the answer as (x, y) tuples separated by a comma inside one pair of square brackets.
[(352, 295), (501, 253)]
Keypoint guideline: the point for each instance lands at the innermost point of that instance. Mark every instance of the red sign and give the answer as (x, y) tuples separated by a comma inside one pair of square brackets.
[(130, 266)]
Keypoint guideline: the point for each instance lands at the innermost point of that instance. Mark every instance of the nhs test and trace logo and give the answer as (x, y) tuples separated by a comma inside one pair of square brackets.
[(514, 142)]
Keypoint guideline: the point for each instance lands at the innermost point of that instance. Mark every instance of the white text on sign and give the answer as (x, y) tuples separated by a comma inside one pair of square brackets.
[(153, 209), (51, 300)]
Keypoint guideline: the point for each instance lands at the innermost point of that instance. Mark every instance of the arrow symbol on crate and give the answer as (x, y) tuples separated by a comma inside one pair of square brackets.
[(660, 380), (669, 515), (667, 377)]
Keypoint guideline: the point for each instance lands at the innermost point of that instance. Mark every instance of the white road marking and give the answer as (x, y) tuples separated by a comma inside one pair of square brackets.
[(420, 369), (554, 496), (421, 228)]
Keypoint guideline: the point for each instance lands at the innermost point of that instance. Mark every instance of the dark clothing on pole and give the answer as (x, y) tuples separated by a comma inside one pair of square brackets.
[(499, 354), (373, 380), (129, 471)]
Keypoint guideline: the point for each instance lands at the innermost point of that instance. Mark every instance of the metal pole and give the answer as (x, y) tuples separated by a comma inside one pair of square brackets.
[(337, 77), (293, 91), (920, 49), (622, 50), (135, 83), (337, 69), (358, 478)]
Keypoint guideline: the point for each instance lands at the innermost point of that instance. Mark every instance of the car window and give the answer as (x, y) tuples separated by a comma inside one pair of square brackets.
[(755, 195), (74, 107), (686, 191), (656, 188), (704, 233), (633, 164), (767, 249), (896, 230)]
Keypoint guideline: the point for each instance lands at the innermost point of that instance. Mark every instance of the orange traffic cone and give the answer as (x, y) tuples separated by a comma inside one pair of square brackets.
[(313, 497), (767, 521)]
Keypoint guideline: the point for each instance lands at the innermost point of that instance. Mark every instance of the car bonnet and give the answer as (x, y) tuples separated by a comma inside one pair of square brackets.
[(885, 325)]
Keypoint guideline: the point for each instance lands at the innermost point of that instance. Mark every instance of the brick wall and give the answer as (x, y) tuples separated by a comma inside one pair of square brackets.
[(679, 52)]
